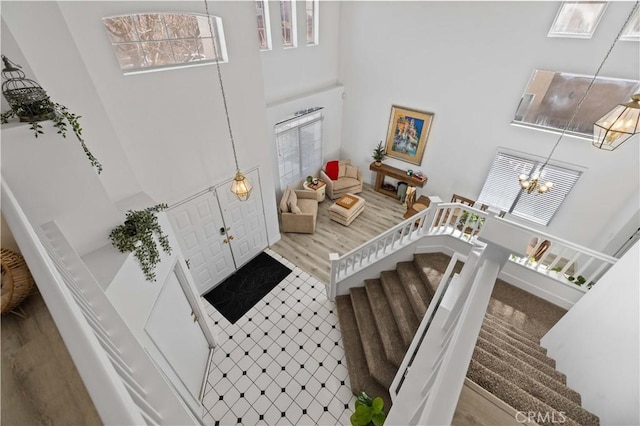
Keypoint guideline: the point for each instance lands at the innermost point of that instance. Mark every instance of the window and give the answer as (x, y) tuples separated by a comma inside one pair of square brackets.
[(299, 144), (632, 30), (264, 32), (577, 19), (502, 189), (312, 22), (153, 41), (551, 98), (288, 22)]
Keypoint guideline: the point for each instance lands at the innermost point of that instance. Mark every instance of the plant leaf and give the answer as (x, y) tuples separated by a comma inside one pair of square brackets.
[(377, 405), (378, 419)]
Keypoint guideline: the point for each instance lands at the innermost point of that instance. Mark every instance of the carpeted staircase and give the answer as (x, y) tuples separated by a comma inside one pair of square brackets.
[(378, 322)]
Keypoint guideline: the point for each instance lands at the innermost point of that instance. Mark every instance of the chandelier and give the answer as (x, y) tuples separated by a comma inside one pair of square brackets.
[(240, 185), (614, 128)]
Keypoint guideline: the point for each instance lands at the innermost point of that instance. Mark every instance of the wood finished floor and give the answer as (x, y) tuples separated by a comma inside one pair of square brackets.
[(40, 382), (310, 252)]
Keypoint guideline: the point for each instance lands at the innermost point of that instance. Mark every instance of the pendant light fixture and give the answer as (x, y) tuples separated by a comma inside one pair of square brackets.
[(240, 186), (533, 182), (618, 125)]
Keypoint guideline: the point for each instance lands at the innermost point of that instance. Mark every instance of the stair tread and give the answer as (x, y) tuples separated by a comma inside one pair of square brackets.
[(534, 388), (431, 267), (379, 368), (394, 347), (400, 306), (532, 350), (511, 332), (359, 377), (507, 361), (417, 292), (513, 395), (547, 380), (525, 356), (507, 324), (354, 353)]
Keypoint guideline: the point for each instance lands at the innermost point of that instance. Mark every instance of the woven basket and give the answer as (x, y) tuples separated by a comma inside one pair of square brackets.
[(17, 281)]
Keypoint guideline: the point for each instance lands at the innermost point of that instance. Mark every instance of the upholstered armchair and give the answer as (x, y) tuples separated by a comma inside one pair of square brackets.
[(346, 179), (298, 211)]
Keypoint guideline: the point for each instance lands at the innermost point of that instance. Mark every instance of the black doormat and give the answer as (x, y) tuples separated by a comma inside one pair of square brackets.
[(247, 286)]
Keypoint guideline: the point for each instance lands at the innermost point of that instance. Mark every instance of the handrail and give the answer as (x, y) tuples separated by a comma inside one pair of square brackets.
[(390, 241), (559, 260), (107, 391), (439, 219)]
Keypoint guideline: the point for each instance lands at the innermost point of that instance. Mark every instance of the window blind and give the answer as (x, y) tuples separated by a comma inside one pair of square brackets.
[(299, 145), (502, 190)]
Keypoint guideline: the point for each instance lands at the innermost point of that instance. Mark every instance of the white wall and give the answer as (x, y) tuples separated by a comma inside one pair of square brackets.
[(600, 336), (469, 63), (290, 72), (163, 133)]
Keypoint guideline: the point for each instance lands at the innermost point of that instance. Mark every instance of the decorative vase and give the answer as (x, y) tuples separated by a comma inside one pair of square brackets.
[(378, 163)]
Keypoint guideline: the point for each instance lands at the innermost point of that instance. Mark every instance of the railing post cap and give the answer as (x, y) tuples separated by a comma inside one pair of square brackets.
[(334, 256)]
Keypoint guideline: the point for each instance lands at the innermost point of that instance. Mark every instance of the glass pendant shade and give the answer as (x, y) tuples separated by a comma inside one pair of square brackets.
[(618, 125), (241, 187)]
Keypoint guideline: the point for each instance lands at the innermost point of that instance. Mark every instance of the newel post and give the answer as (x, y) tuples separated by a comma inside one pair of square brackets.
[(333, 276)]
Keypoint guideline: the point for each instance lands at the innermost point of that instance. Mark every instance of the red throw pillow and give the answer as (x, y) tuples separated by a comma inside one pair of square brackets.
[(332, 170)]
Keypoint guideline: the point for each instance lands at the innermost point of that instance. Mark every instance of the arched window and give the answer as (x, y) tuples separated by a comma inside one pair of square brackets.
[(156, 41)]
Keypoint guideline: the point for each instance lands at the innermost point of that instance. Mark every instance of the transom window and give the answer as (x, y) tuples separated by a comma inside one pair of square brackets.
[(551, 97), (312, 22), (154, 41), (577, 19), (264, 31), (288, 23), (299, 144), (502, 189)]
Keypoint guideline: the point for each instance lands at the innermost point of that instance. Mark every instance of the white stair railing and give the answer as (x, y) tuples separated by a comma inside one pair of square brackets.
[(429, 388), (453, 219), (122, 381)]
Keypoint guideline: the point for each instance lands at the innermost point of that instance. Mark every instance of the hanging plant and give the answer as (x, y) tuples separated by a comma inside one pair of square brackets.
[(137, 235), (30, 103)]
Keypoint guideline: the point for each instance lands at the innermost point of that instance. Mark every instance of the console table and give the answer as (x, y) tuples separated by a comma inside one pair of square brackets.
[(395, 173)]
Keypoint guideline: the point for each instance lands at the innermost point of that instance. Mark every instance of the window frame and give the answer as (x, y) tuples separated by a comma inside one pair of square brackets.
[(315, 22), (552, 117), (586, 34), (264, 4), (502, 183), (138, 40), (307, 162), (293, 43), (629, 30)]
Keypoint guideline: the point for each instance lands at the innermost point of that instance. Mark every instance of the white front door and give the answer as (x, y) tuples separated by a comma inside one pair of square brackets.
[(201, 234), (177, 335), (244, 220)]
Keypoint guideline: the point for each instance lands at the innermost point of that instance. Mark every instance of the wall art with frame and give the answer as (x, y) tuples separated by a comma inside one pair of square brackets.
[(407, 134)]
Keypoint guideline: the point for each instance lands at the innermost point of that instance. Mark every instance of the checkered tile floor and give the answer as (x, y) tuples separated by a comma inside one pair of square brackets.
[(283, 362)]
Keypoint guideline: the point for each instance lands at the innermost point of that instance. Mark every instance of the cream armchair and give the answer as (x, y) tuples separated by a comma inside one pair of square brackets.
[(349, 180), (298, 211)]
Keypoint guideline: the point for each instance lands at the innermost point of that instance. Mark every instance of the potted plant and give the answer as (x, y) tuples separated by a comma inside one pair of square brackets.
[(378, 154), (137, 235), (30, 103), (368, 411), (474, 218)]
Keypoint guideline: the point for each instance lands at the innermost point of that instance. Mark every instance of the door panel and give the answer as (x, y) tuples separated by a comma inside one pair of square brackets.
[(197, 223), (172, 329), (245, 221)]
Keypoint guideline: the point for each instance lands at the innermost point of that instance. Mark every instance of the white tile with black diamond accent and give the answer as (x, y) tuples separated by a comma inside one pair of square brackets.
[(283, 362)]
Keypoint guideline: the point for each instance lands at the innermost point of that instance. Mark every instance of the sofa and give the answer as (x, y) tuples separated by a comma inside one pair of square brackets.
[(349, 179), (298, 211)]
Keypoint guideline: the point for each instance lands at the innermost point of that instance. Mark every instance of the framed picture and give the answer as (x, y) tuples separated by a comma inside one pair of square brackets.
[(407, 134)]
